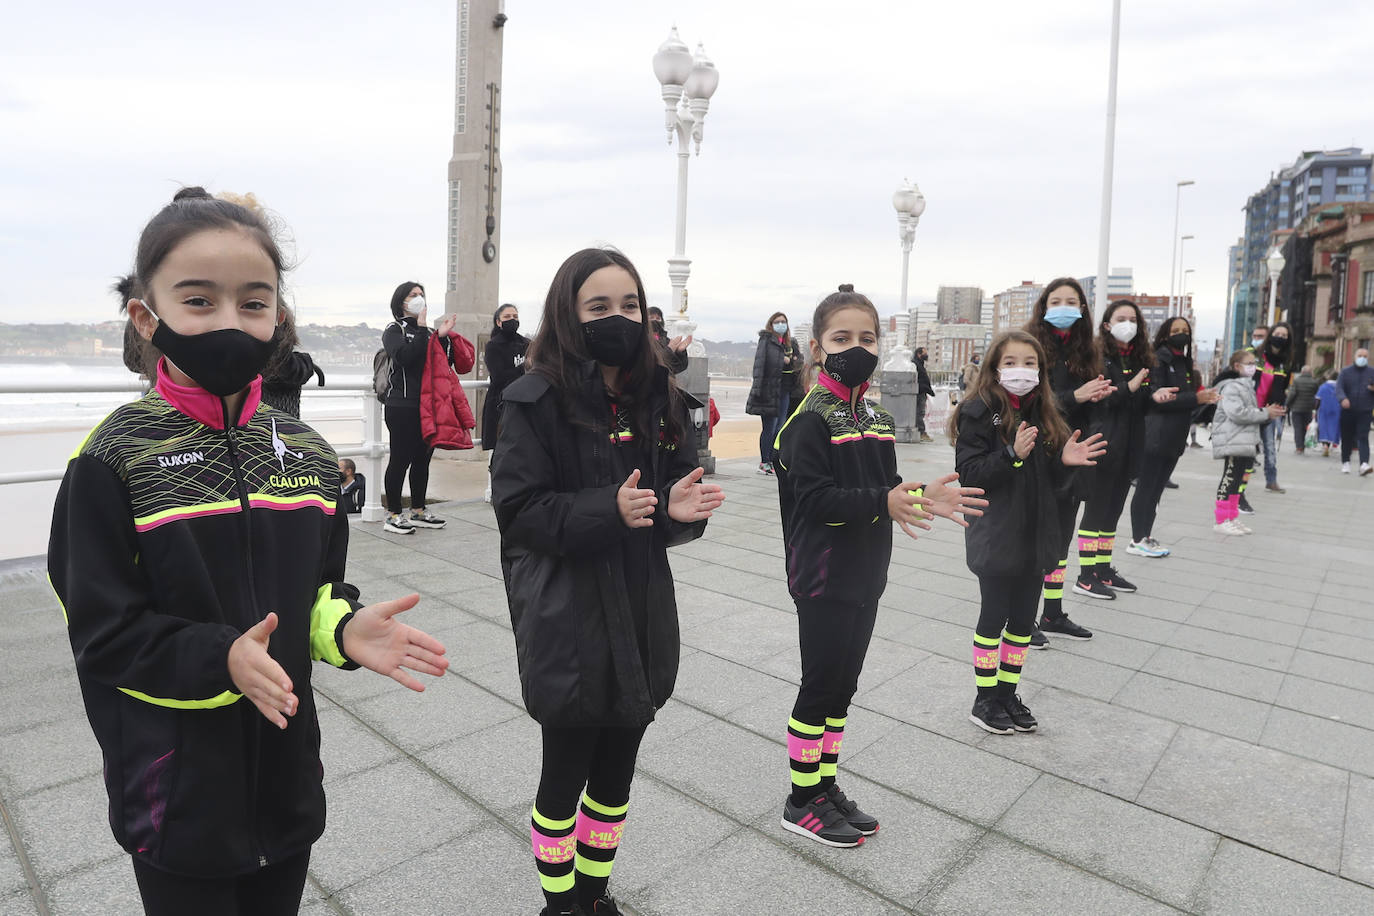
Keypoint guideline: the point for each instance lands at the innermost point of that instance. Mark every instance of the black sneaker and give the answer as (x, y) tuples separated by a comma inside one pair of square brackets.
[(605, 906), (426, 519), (821, 821), (575, 911), (990, 715), (1245, 507), (1065, 627), (1038, 640), (1170, 485), (397, 523), (1021, 718), (1109, 577), (1093, 589), (866, 824)]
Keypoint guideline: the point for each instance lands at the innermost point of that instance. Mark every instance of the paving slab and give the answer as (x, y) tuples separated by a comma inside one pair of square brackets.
[(48, 755), (12, 877), (105, 889), (1357, 856), (65, 828), (1349, 747), (1189, 704), (1245, 880), (449, 707)]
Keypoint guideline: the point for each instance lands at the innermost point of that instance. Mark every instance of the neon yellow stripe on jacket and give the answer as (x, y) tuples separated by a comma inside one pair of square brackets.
[(224, 699), (324, 620)]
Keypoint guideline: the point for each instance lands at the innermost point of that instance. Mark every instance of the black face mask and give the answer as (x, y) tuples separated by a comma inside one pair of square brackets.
[(613, 341), (222, 362), (852, 367), (510, 326), (1278, 345), (1180, 342)]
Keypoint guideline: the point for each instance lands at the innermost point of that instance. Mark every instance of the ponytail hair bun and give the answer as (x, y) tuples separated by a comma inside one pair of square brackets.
[(192, 193), (846, 287)]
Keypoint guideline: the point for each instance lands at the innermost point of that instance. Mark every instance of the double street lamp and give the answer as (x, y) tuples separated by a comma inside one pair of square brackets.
[(1275, 263), (909, 203), (688, 82), (1175, 244)]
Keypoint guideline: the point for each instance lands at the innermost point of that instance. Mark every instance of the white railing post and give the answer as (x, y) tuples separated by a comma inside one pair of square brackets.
[(374, 450)]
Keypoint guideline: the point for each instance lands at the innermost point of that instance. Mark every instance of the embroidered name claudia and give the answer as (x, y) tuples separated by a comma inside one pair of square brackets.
[(302, 480)]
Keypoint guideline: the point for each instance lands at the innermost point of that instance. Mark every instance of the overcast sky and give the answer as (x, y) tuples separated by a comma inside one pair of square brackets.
[(338, 115)]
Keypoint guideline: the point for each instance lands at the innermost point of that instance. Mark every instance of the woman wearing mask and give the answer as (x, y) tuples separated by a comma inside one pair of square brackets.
[(505, 359), (1271, 387), (776, 362), (406, 341), (1166, 429)]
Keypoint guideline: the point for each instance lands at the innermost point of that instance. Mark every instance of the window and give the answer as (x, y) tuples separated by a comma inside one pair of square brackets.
[(1367, 294)]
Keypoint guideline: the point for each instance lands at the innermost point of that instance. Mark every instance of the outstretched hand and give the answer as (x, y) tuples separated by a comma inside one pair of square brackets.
[(906, 508), (947, 499), (636, 505), (679, 344), (258, 676), (375, 639), (690, 500), (1084, 453)]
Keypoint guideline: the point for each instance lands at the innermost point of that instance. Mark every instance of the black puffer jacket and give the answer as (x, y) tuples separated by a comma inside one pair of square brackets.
[(1121, 418), (505, 359), (1166, 425), (1018, 533), (769, 380), (1083, 417), (554, 490), (282, 383)]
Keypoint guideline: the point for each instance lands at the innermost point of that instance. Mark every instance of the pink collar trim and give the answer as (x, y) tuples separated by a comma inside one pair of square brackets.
[(836, 388), (202, 406)]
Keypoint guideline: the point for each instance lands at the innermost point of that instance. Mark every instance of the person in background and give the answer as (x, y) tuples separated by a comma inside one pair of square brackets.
[(776, 362), (1235, 434), (924, 392), (289, 369), (969, 374), (1356, 388), (1257, 338), (352, 487), (505, 360), (1301, 401), (1328, 403), (672, 349), (1271, 387)]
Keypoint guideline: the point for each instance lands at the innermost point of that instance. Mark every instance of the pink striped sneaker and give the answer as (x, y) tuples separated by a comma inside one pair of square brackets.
[(821, 821)]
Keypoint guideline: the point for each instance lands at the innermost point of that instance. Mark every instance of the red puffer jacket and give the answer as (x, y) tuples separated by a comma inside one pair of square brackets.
[(445, 416)]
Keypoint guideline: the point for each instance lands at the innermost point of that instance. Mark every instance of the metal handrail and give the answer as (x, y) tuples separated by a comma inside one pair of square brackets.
[(371, 450)]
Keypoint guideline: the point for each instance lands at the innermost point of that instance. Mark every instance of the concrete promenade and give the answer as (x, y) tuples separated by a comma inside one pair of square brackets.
[(1211, 750)]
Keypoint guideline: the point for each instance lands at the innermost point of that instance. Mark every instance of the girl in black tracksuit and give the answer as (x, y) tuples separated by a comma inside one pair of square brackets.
[(1128, 362), (504, 357), (198, 548), (1011, 440), (593, 478), (839, 492)]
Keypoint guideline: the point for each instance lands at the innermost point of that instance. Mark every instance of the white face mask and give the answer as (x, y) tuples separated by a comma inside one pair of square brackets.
[(1124, 331), (1019, 381), (1248, 370), (415, 306)]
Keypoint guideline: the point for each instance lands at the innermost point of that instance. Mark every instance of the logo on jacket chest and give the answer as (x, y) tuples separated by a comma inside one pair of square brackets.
[(180, 459)]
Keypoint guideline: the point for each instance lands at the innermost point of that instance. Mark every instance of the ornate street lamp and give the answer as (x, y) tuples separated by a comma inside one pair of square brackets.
[(1275, 263)]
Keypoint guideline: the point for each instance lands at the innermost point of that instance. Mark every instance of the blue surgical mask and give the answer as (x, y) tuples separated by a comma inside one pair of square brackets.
[(779, 327), (1256, 342), (1362, 361), (1063, 316)]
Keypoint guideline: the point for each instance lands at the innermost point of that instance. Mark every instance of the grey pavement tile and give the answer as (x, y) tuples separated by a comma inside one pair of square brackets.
[(1043, 884), (1349, 747), (108, 888), (24, 662), (748, 774), (501, 678), (486, 871), (446, 579), (1357, 856), (487, 601), (348, 747), (1257, 795), (477, 644), (1068, 670), (1149, 852), (498, 766), (1347, 575), (1338, 645), (1108, 648), (717, 685), (938, 637), (1246, 599), (769, 875), (768, 588), (1256, 652), (64, 828), (350, 686), (46, 697), (1342, 592), (11, 875), (935, 694), (381, 817), (1342, 623), (1285, 634), (1200, 707), (449, 708), (943, 773), (747, 637), (916, 845), (1320, 667), (1216, 673), (18, 903), (1243, 880), (1101, 746), (664, 829), (697, 606), (1119, 618), (1329, 701), (47, 755)]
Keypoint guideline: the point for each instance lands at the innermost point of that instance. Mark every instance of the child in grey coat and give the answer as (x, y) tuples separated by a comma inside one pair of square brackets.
[(1235, 436)]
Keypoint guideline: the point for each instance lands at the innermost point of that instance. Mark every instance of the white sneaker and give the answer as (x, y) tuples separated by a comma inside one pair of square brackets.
[(1345, 467), (1244, 528), (1227, 528), (1365, 469), (397, 523)]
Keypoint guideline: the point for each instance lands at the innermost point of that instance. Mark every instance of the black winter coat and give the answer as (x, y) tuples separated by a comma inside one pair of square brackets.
[(505, 359), (923, 385), (1121, 420), (1083, 417), (767, 388), (1019, 532), (407, 342), (282, 383), (554, 492), (1166, 425)]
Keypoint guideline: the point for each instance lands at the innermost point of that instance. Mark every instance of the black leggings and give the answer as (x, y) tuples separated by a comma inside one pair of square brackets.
[(1009, 603), (408, 452), (601, 760), (1233, 474), (1103, 508), (1155, 471), (273, 890), (834, 642)]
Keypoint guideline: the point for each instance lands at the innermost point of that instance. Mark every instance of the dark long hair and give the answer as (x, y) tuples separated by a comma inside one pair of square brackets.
[(1054, 432), (398, 298), (1279, 362), (1141, 355), (559, 350), (1077, 351)]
